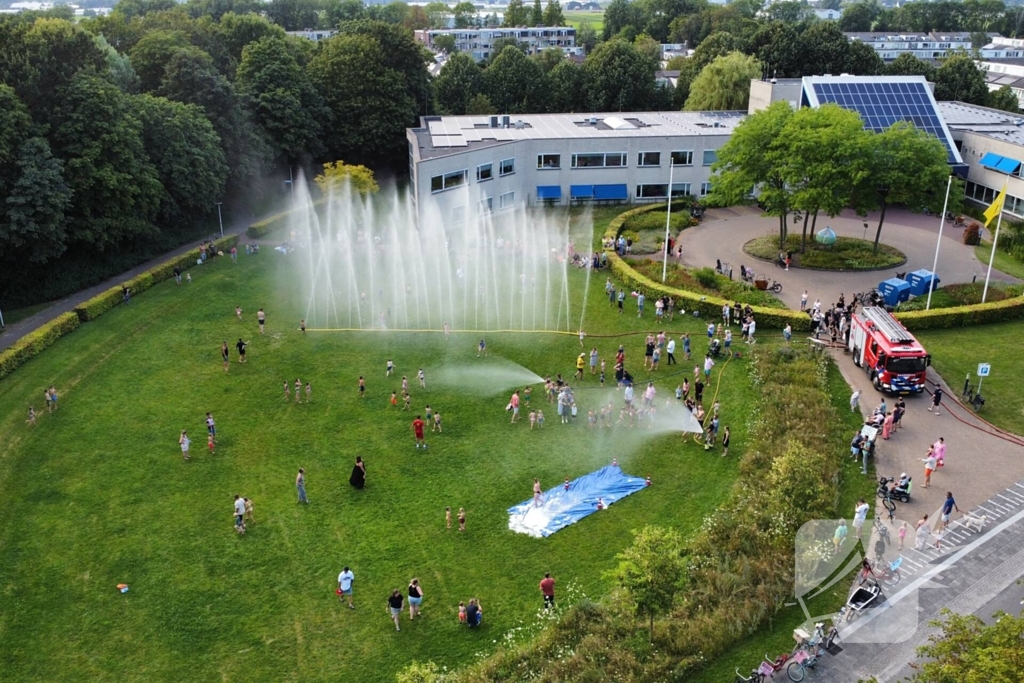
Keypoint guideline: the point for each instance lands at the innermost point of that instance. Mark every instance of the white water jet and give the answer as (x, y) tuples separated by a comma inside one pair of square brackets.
[(491, 376), (382, 262)]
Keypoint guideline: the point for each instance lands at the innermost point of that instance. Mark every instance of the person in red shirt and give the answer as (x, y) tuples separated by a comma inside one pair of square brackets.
[(547, 587), (417, 428)]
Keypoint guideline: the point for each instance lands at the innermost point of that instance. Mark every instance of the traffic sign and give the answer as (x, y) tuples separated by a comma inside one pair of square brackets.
[(983, 369)]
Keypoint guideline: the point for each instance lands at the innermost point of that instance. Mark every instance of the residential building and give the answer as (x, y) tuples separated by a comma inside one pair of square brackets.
[(998, 74), (315, 35), (828, 14), (929, 46), (478, 42)]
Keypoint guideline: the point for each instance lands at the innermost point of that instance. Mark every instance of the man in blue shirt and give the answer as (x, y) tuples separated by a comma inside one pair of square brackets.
[(947, 508)]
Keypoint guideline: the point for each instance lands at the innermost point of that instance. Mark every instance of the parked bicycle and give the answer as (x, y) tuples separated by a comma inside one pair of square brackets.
[(971, 398), (755, 677), (775, 286), (808, 656)]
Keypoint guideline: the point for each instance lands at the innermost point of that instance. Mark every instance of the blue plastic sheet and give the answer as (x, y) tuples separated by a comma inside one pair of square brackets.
[(559, 508)]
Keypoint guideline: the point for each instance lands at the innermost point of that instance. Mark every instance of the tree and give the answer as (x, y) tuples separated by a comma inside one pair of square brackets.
[(756, 158), (460, 81), (566, 88), (1004, 98), (553, 14), (150, 55), (281, 99), (416, 19), (238, 31), (480, 105), (724, 84), (119, 67), (549, 58), (788, 11), (464, 14), (618, 78), (649, 48), (777, 46), (825, 49), (959, 79), (35, 223), (908, 167), (48, 55), (15, 124), (139, 8), (369, 100), (445, 42), (716, 45), (586, 36), (909, 65), (537, 15), (337, 174), (652, 571), (338, 12), (619, 15), (514, 83), (859, 16), (437, 14), (515, 14), (969, 650), (293, 15), (863, 60)]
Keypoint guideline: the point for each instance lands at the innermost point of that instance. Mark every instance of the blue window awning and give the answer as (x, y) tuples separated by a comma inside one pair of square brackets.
[(611, 192), (549, 192), (990, 160), (1008, 166), (581, 191)]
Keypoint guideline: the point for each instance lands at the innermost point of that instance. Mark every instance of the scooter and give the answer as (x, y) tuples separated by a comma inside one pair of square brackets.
[(896, 492)]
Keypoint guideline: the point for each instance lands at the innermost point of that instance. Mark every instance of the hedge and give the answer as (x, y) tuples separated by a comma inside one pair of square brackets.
[(959, 316), (33, 343), (710, 306)]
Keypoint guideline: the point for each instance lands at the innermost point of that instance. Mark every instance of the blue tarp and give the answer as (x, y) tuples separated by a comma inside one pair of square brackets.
[(560, 508), (611, 192), (549, 192)]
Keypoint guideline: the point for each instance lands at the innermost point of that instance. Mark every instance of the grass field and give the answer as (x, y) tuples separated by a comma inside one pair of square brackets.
[(957, 353), (1003, 261), (594, 19), (97, 493)]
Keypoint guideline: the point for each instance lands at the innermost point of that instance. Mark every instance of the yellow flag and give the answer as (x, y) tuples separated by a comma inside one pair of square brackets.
[(997, 206)]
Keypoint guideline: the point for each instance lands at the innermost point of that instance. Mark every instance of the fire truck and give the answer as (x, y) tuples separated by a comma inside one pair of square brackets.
[(895, 361)]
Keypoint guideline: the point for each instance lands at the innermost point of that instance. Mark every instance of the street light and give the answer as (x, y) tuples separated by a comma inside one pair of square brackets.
[(220, 219)]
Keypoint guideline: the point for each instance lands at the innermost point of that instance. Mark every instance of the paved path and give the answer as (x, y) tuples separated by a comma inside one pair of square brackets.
[(723, 233), (16, 331)]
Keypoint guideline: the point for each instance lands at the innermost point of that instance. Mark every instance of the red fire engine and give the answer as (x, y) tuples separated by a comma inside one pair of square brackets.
[(885, 349)]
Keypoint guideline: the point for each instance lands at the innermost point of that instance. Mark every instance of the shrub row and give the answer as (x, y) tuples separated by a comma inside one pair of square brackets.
[(261, 228), (959, 316), (31, 344)]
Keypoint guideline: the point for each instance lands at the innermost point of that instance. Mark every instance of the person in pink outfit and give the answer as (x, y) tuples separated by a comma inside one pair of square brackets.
[(940, 451), (887, 426)]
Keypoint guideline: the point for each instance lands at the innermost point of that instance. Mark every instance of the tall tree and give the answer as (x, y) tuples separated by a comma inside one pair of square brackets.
[(1004, 98), (909, 65), (716, 45), (566, 93), (369, 100), (338, 173), (237, 31), (756, 158), (480, 105), (515, 14), (908, 167), (553, 14), (35, 225), (459, 81), (649, 48), (339, 11), (119, 67), (549, 58), (15, 124), (777, 46), (959, 79), (618, 78), (586, 36), (464, 14), (859, 16), (52, 51), (652, 570), (968, 649), (514, 83), (620, 15), (403, 54), (537, 15), (152, 53), (724, 84), (863, 60), (293, 15), (825, 49)]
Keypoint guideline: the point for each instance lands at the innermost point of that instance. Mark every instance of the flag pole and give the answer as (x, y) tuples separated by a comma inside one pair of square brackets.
[(935, 263), (1001, 199)]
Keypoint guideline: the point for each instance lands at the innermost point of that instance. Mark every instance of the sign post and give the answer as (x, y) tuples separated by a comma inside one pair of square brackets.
[(983, 371)]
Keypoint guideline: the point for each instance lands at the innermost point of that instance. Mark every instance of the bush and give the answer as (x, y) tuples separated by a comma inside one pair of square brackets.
[(706, 277), (972, 234), (35, 342), (964, 316)]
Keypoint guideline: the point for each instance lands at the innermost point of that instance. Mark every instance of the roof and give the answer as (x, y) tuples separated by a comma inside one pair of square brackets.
[(993, 123), (912, 36), (443, 135)]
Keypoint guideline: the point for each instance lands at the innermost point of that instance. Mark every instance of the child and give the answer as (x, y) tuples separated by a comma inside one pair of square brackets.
[(601, 377), (481, 349), (902, 534), (533, 419), (655, 357), (188, 278), (407, 398), (394, 398), (600, 503), (302, 326), (429, 419), (298, 390), (405, 384), (309, 393), (462, 519), (210, 444), (566, 485), (540, 418), (238, 312), (679, 392), (462, 613), (422, 378), (391, 367), (32, 416), (591, 419), (185, 442), (362, 387), (447, 518), (49, 401), (287, 391), (437, 423), (526, 398), (248, 511)]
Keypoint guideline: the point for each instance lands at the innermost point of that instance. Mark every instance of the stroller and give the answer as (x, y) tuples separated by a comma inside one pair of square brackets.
[(716, 348)]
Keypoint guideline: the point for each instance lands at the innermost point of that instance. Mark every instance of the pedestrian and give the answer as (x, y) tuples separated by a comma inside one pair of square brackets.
[(750, 331), (287, 390), (686, 345), (787, 332), (840, 535), (422, 378), (698, 390), (726, 314), (309, 393), (536, 492), (929, 466), (860, 514), (32, 416), (437, 421), (854, 400), (481, 349), (211, 426), (640, 298), (803, 301), (947, 509), (580, 364), (238, 312), (362, 386), (395, 607), (302, 325), (177, 275), (300, 485), (448, 518), (513, 404), (902, 534), (53, 397), (940, 452), (936, 400), (593, 361), (225, 355), (725, 442), (670, 349), (547, 589), (241, 349), (462, 519), (184, 442), (239, 514), (390, 367), (358, 477), (415, 598), (621, 299), (708, 364), (249, 518), (921, 533), (261, 317)]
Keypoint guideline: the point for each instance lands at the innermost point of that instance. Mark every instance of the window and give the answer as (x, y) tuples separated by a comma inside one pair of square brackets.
[(484, 172), (486, 204), (440, 183), (660, 190), (682, 158), (506, 200), (705, 189), (648, 159), (611, 159), (549, 161), (710, 156), (507, 167)]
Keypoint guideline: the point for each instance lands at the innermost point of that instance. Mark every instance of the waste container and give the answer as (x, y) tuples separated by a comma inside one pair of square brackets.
[(921, 280), (894, 291)]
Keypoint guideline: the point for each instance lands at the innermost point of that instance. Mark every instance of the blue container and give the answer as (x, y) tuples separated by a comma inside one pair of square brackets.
[(921, 280), (894, 291)]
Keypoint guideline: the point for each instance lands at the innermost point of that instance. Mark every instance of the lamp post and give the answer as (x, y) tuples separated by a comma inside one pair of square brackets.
[(220, 220), (668, 216)]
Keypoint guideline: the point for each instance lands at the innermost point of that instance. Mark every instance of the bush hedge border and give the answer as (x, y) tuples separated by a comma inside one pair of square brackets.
[(940, 318), (33, 343)]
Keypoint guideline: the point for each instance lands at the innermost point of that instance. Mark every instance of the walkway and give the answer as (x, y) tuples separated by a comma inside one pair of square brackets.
[(723, 233), (16, 331)]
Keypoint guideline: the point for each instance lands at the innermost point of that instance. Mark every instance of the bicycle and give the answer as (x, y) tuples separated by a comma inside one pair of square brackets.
[(975, 400), (890, 574), (775, 286), (755, 677), (804, 658), (883, 530)]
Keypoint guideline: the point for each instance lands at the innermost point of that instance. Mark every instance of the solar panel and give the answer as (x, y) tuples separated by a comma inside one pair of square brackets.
[(881, 104)]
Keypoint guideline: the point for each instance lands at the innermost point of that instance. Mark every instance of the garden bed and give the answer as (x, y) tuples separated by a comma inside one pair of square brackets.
[(647, 230), (705, 281), (848, 253)]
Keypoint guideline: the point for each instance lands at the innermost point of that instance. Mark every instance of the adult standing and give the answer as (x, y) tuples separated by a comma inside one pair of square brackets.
[(239, 514), (922, 533), (474, 613), (947, 508), (860, 515), (417, 430), (547, 589), (854, 400), (261, 317), (300, 485), (936, 400), (514, 401), (395, 601), (241, 349), (358, 478), (671, 350), (940, 451), (593, 361), (415, 598), (750, 331)]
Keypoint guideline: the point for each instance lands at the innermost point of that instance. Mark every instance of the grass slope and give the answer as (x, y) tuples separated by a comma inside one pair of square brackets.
[(98, 494)]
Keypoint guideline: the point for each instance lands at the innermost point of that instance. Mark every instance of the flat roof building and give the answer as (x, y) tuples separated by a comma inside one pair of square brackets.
[(928, 46), (478, 42)]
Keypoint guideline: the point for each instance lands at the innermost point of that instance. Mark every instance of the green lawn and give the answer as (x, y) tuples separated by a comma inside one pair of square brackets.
[(1003, 261), (97, 493), (957, 353), (594, 19)]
